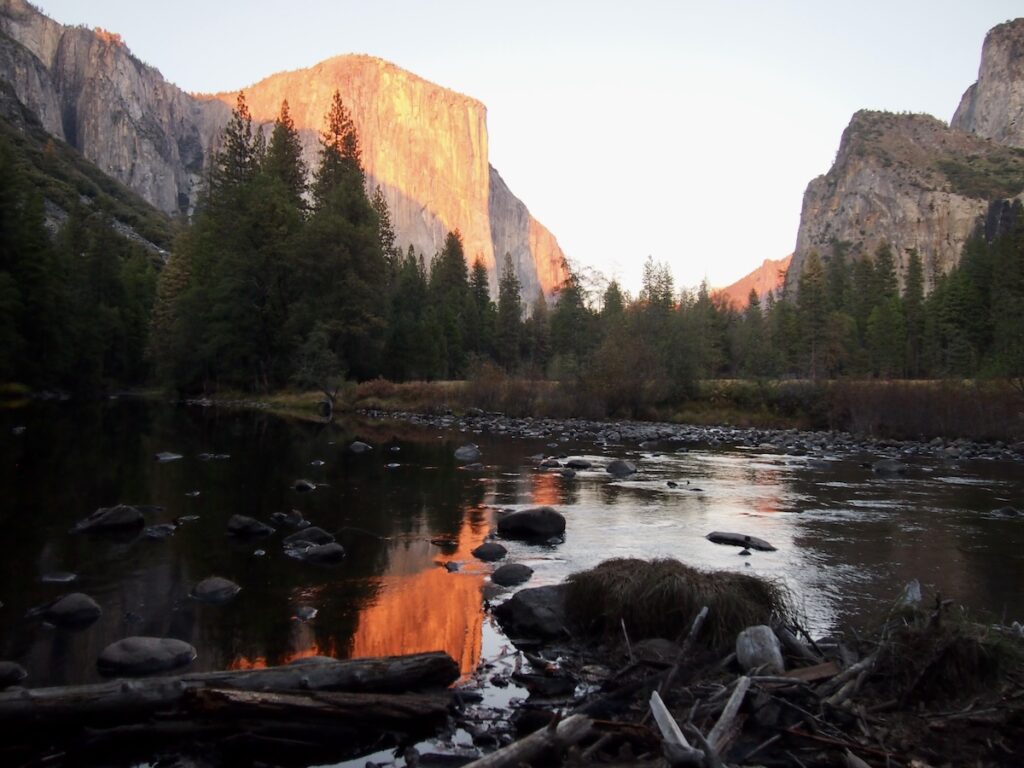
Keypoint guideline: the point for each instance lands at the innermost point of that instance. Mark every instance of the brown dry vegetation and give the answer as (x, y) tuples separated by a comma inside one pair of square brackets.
[(659, 598)]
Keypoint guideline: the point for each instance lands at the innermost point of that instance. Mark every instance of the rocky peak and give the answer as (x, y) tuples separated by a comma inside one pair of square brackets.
[(425, 145), (766, 279), (993, 107)]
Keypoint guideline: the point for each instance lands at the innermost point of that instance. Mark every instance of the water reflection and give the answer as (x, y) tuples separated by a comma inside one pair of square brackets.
[(847, 540)]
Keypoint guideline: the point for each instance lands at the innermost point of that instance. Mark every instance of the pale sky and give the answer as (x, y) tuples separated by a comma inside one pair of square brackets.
[(681, 130)]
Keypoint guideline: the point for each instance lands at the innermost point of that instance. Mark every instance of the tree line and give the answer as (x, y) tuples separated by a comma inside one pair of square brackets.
[(292, 278)]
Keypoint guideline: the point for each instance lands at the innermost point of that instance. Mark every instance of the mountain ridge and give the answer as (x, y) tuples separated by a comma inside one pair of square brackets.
[(122, 114)]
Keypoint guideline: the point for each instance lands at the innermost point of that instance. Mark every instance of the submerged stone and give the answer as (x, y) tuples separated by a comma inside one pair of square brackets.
[(468, 452), (119, 518), (511, 574), (134, 656), (215, 589), (536, 523), (11, 673), (74, 611), (245, 527), (739, 540), (490, 551), (620, 468)]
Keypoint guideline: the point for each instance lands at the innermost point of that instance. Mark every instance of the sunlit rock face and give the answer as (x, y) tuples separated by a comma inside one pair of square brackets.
[(89, 90), (426, 146), (993, 107), (916, 184), (768, 278)]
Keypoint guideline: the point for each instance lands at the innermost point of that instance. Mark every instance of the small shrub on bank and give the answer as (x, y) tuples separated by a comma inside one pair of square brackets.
[(660, 598)]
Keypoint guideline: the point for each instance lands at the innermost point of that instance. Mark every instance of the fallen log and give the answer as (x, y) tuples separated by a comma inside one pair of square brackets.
[(127, 700), (375, 710), (569, 731)]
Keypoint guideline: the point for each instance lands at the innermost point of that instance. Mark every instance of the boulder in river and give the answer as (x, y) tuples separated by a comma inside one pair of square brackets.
[(303, 486), (74, 611), (537, 613), (309, 535), (11, 674), (511, 574), (122, 517), (758, 647), (160, 531), (468, 452), (358, 446), (536, 523), (1007, 511), (322, 554), (215, 589), (490, 551), (135, 656), (164, 456), (889, 467), (578, 464), (290, 519), (620, 468), (740, 540), (245, 527)]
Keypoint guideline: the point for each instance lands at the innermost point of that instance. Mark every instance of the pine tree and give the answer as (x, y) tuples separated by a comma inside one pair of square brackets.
[(450, 299), (812, 306), (510, 315), (913, 313), (283, 159), (538, 336), (237, 161), (340, 156), (386, 235)]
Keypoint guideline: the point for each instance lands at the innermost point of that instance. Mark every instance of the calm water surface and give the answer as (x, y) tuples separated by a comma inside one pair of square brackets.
[(847, 540)]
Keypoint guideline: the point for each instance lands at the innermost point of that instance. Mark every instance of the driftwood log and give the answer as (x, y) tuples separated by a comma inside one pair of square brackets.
[(567, 732), (131, 700)]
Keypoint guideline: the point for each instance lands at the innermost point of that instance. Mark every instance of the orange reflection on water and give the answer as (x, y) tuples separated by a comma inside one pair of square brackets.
[(260, 662), (422, 607), (545, 489)]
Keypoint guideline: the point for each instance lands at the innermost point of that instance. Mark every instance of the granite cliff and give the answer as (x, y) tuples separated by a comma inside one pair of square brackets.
[(916, 183), (425, 145), (993, 107), (769, 277)]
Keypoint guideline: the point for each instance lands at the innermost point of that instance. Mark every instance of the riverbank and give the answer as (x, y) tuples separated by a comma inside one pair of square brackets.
[(986, 411)]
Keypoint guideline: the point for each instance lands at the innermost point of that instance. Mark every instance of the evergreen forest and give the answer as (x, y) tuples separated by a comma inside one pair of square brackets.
[(288, 277)]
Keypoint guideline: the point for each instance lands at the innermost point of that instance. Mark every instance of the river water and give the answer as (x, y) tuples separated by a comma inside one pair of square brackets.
[(847, 540)]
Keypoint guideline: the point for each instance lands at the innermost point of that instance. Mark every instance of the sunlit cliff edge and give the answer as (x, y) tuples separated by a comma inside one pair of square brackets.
[(767, 278), (425, 145)]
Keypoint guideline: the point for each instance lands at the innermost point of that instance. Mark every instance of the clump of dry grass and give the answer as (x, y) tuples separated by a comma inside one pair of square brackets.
[(660, 598), (928, 658)]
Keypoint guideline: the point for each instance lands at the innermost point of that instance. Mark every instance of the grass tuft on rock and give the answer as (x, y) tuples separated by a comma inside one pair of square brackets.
[(660, 598)]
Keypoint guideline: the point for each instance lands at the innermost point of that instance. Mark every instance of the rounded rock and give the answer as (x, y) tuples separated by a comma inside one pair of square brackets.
[(215, 589), (74, 611), (489, 551), (511, 574), (11, 674), (134, 656)]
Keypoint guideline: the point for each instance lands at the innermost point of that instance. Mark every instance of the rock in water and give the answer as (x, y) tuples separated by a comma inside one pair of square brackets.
[(621, 468), (303, 486), (359, 447), (290, 519), (74, 611), (244, 527), (59, 577), (889, 467), (120, 518), (160, 531), (489, 551), (511, 574), (759, 647), (534, 613), (215, 589), (134, 656), (311, 535), (164, 456), (578, 464), (536, 523), (305, 612), (468, 453), (11, 674), (323, 554), (740, 540)]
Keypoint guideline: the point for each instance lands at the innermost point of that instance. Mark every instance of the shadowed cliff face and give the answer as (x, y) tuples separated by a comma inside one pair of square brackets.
[(993, 107), (425, 145)]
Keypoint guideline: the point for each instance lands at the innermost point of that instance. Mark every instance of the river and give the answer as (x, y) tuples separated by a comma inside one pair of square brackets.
[(847, 540)]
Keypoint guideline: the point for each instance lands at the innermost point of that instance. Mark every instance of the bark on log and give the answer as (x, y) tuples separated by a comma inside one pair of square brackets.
[(135, 699), (568, 732), (376, 710)]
